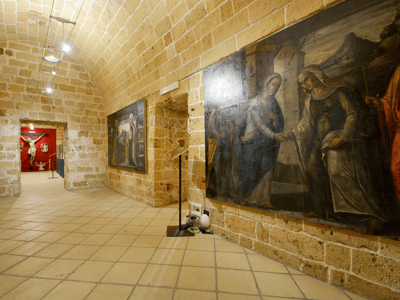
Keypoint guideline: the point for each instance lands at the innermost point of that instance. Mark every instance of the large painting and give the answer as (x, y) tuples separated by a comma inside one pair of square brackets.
[(127, 137), (305, 122)]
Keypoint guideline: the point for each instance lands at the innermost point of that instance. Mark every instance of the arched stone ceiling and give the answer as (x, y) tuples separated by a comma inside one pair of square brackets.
[(136, 47)]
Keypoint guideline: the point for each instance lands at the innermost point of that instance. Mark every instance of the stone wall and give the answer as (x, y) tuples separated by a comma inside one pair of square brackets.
[(76, 104), (174, 41)]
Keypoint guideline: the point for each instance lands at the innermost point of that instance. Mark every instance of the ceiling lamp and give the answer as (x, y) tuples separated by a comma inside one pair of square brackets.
[(51, 59), (65, 48), (49, 90)]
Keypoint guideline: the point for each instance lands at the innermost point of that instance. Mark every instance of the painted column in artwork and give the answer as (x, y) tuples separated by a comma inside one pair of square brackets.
[(288, 62)]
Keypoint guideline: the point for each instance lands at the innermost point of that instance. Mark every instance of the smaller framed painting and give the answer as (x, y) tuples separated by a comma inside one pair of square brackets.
[(127, 137)]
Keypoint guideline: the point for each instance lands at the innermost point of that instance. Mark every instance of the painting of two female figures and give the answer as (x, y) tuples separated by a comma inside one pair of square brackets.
[(306, 122)]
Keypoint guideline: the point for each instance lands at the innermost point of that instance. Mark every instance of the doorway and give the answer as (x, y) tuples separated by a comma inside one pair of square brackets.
[(42, 145)]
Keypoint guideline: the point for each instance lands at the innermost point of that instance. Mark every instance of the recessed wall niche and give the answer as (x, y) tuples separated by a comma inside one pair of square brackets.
[(171, 138)]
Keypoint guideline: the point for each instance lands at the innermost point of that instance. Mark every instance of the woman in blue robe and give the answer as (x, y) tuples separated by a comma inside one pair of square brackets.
[(260, 144)]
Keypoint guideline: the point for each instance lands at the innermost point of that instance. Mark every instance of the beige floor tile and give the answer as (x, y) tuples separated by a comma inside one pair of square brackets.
[(54, 250), (354, 296), (227, 246), (155, 230), (119, 221), (63, 220), (281, 285), (91, 271), (135, 209), (165, 216), (110, 229), (152, 293), (74, 238), (138, 255), (7, 261), (316, 289), (7, 283), (199, 258), (59, 269), (97, 239), (232, 260), (122, 240), (168, 257), (146, 215), (132, 230), (160, 275), (109, 253), (278, 298), (32, 289), (194, 295), (68, 227), (88, 228), (48, 226), (160, 222), (101, 221), (174, 242), (265, 264), (128, 215), (235, 281), (250, 251), (9, 245), (93, 214), (295, 272), (69, 290), (29, 266), (8, 234), (124, 273), (111, 214), (81, 252), (200, 244), (225, 296), (140, 222), (147, 241), (50, 237), (110, 292), (29, 248), (28, 226), (197, 278), (81, 220)]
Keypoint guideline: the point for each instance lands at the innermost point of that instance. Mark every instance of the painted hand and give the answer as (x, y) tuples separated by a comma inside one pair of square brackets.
[(337, 142), (372, 101), (280, 137)]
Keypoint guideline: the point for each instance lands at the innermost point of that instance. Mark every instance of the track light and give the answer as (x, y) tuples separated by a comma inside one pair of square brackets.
[(65, 48), (51, 59), (49, 90)]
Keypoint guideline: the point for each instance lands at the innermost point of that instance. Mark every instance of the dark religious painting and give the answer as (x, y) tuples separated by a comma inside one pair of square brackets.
[(37, 147), (127, 137), (304, 123)]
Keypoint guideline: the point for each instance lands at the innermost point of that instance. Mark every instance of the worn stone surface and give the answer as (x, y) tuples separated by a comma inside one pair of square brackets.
[(263, 232), (346, 237), (297, 243), (315, 269), (338, 256), (240, 225), (234, 237), (379, 269), (278, 254), (246, 242)]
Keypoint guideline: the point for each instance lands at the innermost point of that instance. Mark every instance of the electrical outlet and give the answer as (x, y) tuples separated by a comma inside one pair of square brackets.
[(196, 209), (206, 212)]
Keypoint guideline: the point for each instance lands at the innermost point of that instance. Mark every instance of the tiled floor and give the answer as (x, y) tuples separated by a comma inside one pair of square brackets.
[(97, 244)]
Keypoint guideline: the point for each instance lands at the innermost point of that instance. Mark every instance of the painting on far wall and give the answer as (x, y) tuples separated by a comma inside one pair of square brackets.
[(127, 137), (304, 123)]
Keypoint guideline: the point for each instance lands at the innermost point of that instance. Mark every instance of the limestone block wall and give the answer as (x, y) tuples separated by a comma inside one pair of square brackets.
[(175, 42), (76, 104)]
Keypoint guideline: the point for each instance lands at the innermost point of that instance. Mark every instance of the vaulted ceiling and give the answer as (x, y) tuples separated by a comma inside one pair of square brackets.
[(109, 35)]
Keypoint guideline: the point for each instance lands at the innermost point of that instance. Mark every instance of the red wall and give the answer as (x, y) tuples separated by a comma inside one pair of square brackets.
[(40, 156)]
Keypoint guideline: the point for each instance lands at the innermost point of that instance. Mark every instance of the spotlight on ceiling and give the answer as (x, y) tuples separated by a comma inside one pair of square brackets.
[(65, 48), (51, 59), (53, 72), (49, 90), (31, 126)]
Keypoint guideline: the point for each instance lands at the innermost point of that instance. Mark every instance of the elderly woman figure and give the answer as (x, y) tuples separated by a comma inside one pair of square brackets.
[(260, 144), (332, 138)]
